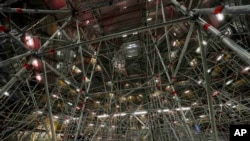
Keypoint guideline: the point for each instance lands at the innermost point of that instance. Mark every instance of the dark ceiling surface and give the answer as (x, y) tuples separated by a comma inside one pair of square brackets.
[(123, 70)]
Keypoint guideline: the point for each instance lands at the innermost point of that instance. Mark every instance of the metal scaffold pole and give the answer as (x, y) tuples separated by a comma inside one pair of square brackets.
[(166, 35), (12, 81), (85, 99), (86, 74), (15, 58), (189, 35), (52, 127), (208, 87), (38, 11), (245, 9)]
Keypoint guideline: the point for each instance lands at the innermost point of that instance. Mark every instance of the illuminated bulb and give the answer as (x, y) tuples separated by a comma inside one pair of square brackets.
[(66, 121), (194, 104), (204, 42), (35, 63), (174, 34), (109, 83), (91, 124), (149, 19), (103, 116), (219, 57), (200, 82), (78, 90), (174, 43), (209, 70), (38, 77), (70, 103), (92, 60), (78, 108), (134, 33), (120, 114), (87, 22), (140, 113), (182, 109), (186, 92), (198, 50), (220, 16), (202, 116), (76, 70), (67, 82), (193, 62), (246, 69), (229, 82), (55, 96), (59, 33), (123, 99), (39, 112), (123, 114), (59, 53), (228, 32), (27, 37), (98, 68), (125, 35), (215, 93), (150, 0), (111, 95), (159, 111), (56, 117), (6, 94), (173, 54), (58, 66), (165, 110), (157, 80), (126, 85), (132, 46), (30, 43), (97, 102)]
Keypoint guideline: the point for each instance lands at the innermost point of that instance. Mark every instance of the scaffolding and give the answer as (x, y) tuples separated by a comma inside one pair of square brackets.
[(154, 71)]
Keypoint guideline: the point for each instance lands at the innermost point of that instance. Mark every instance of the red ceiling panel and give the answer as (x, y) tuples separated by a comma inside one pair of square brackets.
[(55, 4)]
